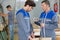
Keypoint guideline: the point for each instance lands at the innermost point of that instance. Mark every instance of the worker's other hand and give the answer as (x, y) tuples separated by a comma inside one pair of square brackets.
[(30, 38), (32, 35), (42, 24)]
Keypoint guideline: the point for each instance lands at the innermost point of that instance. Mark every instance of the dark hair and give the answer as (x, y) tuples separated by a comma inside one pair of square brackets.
[(8, 6), (30, 3), (46, 2)]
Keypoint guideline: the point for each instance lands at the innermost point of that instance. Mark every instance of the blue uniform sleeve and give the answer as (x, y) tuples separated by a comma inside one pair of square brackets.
[(22, 23), (53, 24), (31, 29), (40, 20)]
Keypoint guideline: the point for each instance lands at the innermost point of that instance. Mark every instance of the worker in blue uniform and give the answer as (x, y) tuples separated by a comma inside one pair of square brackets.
[(25, 28), (10, 21), (48, 21)]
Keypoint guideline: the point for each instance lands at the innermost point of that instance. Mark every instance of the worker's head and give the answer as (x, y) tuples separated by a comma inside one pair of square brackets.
[(9, 8), (45, 4), (29, 5)]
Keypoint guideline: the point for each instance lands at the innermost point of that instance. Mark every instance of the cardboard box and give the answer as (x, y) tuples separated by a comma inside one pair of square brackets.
[(57, 37)]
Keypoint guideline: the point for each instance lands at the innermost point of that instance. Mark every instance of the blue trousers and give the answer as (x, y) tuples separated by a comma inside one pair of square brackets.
[(11, 31)]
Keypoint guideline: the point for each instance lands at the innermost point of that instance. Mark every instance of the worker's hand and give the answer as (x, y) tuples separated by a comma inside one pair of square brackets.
[(35, 19), (30, 38), (32, 35), (4, 15), (42, 24)]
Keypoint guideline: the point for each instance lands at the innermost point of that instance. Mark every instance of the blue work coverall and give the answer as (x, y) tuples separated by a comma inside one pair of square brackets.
[(51, 22), (24, 26)]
